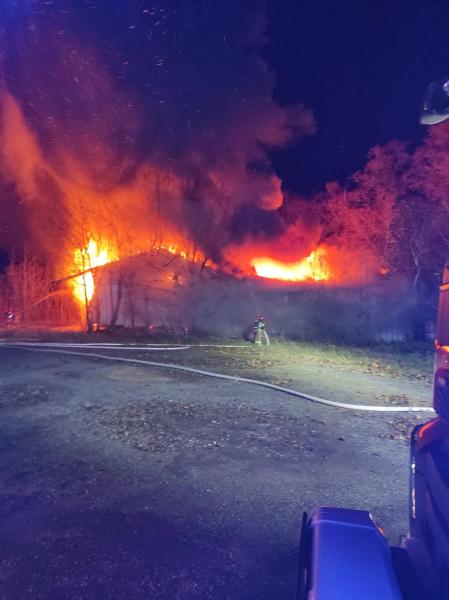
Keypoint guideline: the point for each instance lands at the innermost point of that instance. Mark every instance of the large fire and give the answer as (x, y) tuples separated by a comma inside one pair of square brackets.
[(97, 254), (84, 260), (311, 268), (94, 254)]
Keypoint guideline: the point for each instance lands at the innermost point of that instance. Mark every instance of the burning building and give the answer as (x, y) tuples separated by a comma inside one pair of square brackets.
[(163, 289), (137, 146)]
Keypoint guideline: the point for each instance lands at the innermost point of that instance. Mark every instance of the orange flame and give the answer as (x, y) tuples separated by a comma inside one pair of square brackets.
[(96, 255), (85, 259), (311, 268)]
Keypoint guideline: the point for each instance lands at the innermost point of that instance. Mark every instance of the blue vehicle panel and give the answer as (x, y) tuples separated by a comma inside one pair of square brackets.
[(350, 558)]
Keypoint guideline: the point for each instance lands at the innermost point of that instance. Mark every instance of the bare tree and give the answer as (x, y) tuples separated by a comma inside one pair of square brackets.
[(31, 297)]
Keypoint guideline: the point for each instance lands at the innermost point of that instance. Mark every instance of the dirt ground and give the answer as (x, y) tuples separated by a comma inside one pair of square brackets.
[(125, 481)]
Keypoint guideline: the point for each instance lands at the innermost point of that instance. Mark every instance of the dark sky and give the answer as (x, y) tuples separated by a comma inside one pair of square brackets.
[(362, 66)]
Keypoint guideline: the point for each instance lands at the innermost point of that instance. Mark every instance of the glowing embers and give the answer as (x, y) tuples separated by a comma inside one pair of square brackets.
[(311, 268), (84, 260), (185, 250), (174, 250)]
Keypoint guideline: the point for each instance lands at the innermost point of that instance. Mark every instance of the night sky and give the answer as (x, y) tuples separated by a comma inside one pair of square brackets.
[(362, 67), (212, 91)]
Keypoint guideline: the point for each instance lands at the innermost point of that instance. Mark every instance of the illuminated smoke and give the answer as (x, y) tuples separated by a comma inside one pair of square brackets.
[(145, 118)]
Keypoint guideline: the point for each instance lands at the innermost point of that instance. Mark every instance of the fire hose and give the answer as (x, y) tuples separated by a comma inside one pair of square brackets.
[(95, 346), (37, 347)]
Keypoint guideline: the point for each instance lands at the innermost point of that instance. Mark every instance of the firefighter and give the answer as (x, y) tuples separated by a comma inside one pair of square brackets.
[(260, 332)]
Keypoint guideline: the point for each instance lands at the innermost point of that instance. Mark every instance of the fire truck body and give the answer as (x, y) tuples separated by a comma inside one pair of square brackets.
[(441, 379)]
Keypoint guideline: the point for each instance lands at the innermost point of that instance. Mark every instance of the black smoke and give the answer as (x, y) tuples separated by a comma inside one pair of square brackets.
[(178, 85)]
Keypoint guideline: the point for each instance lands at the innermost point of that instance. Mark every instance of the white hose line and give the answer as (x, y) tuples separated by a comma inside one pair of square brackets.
[(272, 386), (116, 346), (27, 342), (112, 345), (92, 346), (247, 346)]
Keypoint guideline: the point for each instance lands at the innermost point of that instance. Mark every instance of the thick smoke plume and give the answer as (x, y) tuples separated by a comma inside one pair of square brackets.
[(144, 122)]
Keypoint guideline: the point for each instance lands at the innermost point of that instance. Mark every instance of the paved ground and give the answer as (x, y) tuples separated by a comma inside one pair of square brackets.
[(127, 482)]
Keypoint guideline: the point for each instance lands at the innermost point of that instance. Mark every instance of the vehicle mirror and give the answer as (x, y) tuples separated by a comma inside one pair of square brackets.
[(435, 107)]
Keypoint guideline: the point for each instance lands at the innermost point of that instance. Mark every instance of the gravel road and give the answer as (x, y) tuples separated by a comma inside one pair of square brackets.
[(129, 482)]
